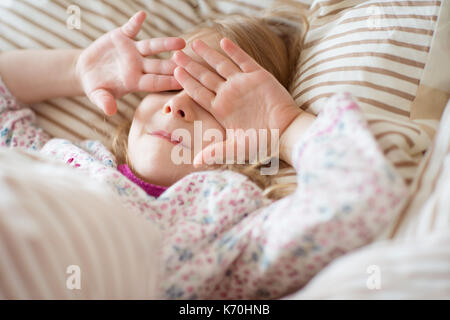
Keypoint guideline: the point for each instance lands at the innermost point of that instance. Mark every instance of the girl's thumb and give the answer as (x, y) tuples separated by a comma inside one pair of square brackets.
[(131, 27), (104, 100)]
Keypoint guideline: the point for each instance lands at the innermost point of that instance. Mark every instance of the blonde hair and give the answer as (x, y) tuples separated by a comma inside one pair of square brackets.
[(274, 40)]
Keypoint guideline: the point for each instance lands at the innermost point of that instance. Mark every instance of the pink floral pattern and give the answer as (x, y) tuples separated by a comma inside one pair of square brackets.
[(221, 238)]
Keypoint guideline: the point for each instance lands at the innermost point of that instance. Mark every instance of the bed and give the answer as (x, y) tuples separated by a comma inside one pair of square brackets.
[(391, 57)]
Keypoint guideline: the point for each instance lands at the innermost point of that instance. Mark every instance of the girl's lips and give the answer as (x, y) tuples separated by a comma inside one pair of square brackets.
[(167, 136)]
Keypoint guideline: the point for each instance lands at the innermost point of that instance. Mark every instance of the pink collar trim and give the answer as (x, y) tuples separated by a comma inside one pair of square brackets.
[(150, 189)]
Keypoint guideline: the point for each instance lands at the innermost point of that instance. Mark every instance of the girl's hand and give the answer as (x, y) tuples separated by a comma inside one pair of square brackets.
[(115, 65), (241, 95)]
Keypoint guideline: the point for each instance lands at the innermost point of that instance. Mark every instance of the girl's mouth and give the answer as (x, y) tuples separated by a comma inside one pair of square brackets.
[(167, 136)]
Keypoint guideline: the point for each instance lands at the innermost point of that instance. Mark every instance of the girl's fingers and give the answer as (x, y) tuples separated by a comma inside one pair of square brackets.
[(158, 66), (131, 27), (209, 155), (216, 153), (223, 65), (154, 46), (103, 100), (202, 74), (239, 56), (194, 89), (157, 83)]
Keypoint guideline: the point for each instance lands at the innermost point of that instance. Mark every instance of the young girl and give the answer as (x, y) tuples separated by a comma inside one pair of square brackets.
[(222, 238)]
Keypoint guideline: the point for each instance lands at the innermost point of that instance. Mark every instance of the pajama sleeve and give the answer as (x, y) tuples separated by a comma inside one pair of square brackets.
[(17, 124), (347, 193)]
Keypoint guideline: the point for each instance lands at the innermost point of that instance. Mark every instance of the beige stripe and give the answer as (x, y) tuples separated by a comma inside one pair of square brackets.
[(6, 46), (428, 129), (96, 111), (374, 29), (391, 16), (131, 104), (26, 34), (368, 84), (166, 20), (375, 121), (386, 56), (58, 124), (362, 68), (405, 164), (11, 42), (93, 110), (375, 103), (391, 148), (387, 4), (176, 11), (379, 16), (408, 140), (215, 10), (307, 104), (41, 26), (368, 41), (384, 106), (74, 116)]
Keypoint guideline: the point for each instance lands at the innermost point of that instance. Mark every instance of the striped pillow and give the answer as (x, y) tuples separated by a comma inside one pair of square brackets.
[(387, 54)]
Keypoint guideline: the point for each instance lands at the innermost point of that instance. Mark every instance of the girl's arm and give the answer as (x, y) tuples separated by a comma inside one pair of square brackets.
[(38, 75), (111, 67)]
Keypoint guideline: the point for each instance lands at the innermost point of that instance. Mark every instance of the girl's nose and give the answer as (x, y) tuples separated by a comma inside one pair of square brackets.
[(180, 109), (175, 111)]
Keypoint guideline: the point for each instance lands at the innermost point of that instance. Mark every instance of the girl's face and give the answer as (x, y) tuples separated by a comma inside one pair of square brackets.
[(157, 116)]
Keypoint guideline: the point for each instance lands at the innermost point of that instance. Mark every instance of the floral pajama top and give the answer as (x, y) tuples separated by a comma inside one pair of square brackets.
[(221, 238)]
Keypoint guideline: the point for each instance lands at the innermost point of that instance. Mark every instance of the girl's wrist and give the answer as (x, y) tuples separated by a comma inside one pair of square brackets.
[(293, 134), (75, 75)]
